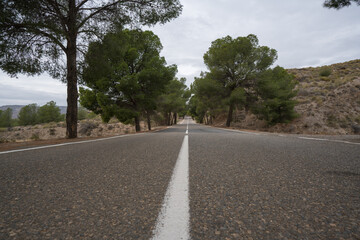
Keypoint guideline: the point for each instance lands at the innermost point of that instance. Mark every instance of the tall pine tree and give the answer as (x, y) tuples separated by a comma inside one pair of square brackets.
[(38, 35)]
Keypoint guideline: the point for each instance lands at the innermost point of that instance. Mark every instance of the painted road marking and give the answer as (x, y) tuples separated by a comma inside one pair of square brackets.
[(328, 140), (317, 139), (182, 122), (239, 131), (70, 143), (173, 220)]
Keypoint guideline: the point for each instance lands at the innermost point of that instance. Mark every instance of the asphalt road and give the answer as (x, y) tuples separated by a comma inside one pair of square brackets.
[(241, 186)]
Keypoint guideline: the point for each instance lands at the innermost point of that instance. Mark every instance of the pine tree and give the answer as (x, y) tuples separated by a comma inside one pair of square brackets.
[(125, 74), (275, 89)]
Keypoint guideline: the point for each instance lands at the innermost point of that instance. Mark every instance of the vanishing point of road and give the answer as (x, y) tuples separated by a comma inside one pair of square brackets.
[(185, 182)]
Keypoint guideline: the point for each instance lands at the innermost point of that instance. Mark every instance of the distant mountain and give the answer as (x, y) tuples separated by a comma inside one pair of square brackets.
[(16, 109)]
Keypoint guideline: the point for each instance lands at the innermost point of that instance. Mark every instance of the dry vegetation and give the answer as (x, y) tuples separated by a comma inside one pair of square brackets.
[(86, 128), (328, 102)]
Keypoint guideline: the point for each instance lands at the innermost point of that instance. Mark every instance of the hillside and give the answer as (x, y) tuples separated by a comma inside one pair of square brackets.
[(326, 104)]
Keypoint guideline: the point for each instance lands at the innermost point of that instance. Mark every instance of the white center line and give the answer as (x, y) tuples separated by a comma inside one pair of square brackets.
[(174, 217)]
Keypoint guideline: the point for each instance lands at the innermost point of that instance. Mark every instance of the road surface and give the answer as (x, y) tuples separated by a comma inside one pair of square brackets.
[(187, 181)]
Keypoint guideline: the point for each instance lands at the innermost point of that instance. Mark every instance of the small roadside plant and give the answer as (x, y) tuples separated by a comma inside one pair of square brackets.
[(35, 137), (325, 71)]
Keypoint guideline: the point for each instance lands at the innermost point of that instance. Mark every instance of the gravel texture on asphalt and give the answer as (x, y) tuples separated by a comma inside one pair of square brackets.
[(242, 186), (246, 186), (110, 189)]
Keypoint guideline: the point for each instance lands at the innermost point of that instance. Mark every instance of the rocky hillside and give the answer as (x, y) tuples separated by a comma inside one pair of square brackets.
[(328, 102)]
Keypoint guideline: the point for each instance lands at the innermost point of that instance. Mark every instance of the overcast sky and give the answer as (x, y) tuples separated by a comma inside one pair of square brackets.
[(302, 31)]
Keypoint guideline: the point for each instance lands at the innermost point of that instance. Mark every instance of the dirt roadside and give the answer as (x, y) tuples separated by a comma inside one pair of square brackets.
[(36, 143)]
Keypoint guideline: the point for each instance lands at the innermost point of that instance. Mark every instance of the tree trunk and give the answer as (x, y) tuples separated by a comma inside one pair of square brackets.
[(175, 118), (72, 91), (229, 118), (137, 124), (148, 120), (201, 118), (169, 119)]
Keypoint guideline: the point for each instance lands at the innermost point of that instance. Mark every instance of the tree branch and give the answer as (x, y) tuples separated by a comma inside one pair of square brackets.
[(81, 4), (105, 7), (33, 28), (61, 17), (81, 51)]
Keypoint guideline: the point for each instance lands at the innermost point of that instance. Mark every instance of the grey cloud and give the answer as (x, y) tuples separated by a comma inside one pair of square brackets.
[(10, 95), (303, 32)]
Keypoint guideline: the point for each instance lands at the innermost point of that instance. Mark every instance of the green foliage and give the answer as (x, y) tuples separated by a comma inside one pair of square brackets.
[(325, 71), (91, 115), (5, 118), (34, 34), (28, 115), (235, 63), (173, 100), (124, 74), (37, 35), (15, 122), (238, 97), (276, 90), (49, 113), (208, 97), (82, 113), (337, 4), (240, 76)]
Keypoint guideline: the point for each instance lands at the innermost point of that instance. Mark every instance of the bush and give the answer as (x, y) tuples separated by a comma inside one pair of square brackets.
[(331, 120), (52, 131), (50, 125), (49, 113), (87, 127), (92, 115), (28, 115), (35, 136), (325, 71), (82, 113), (5, 118)]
